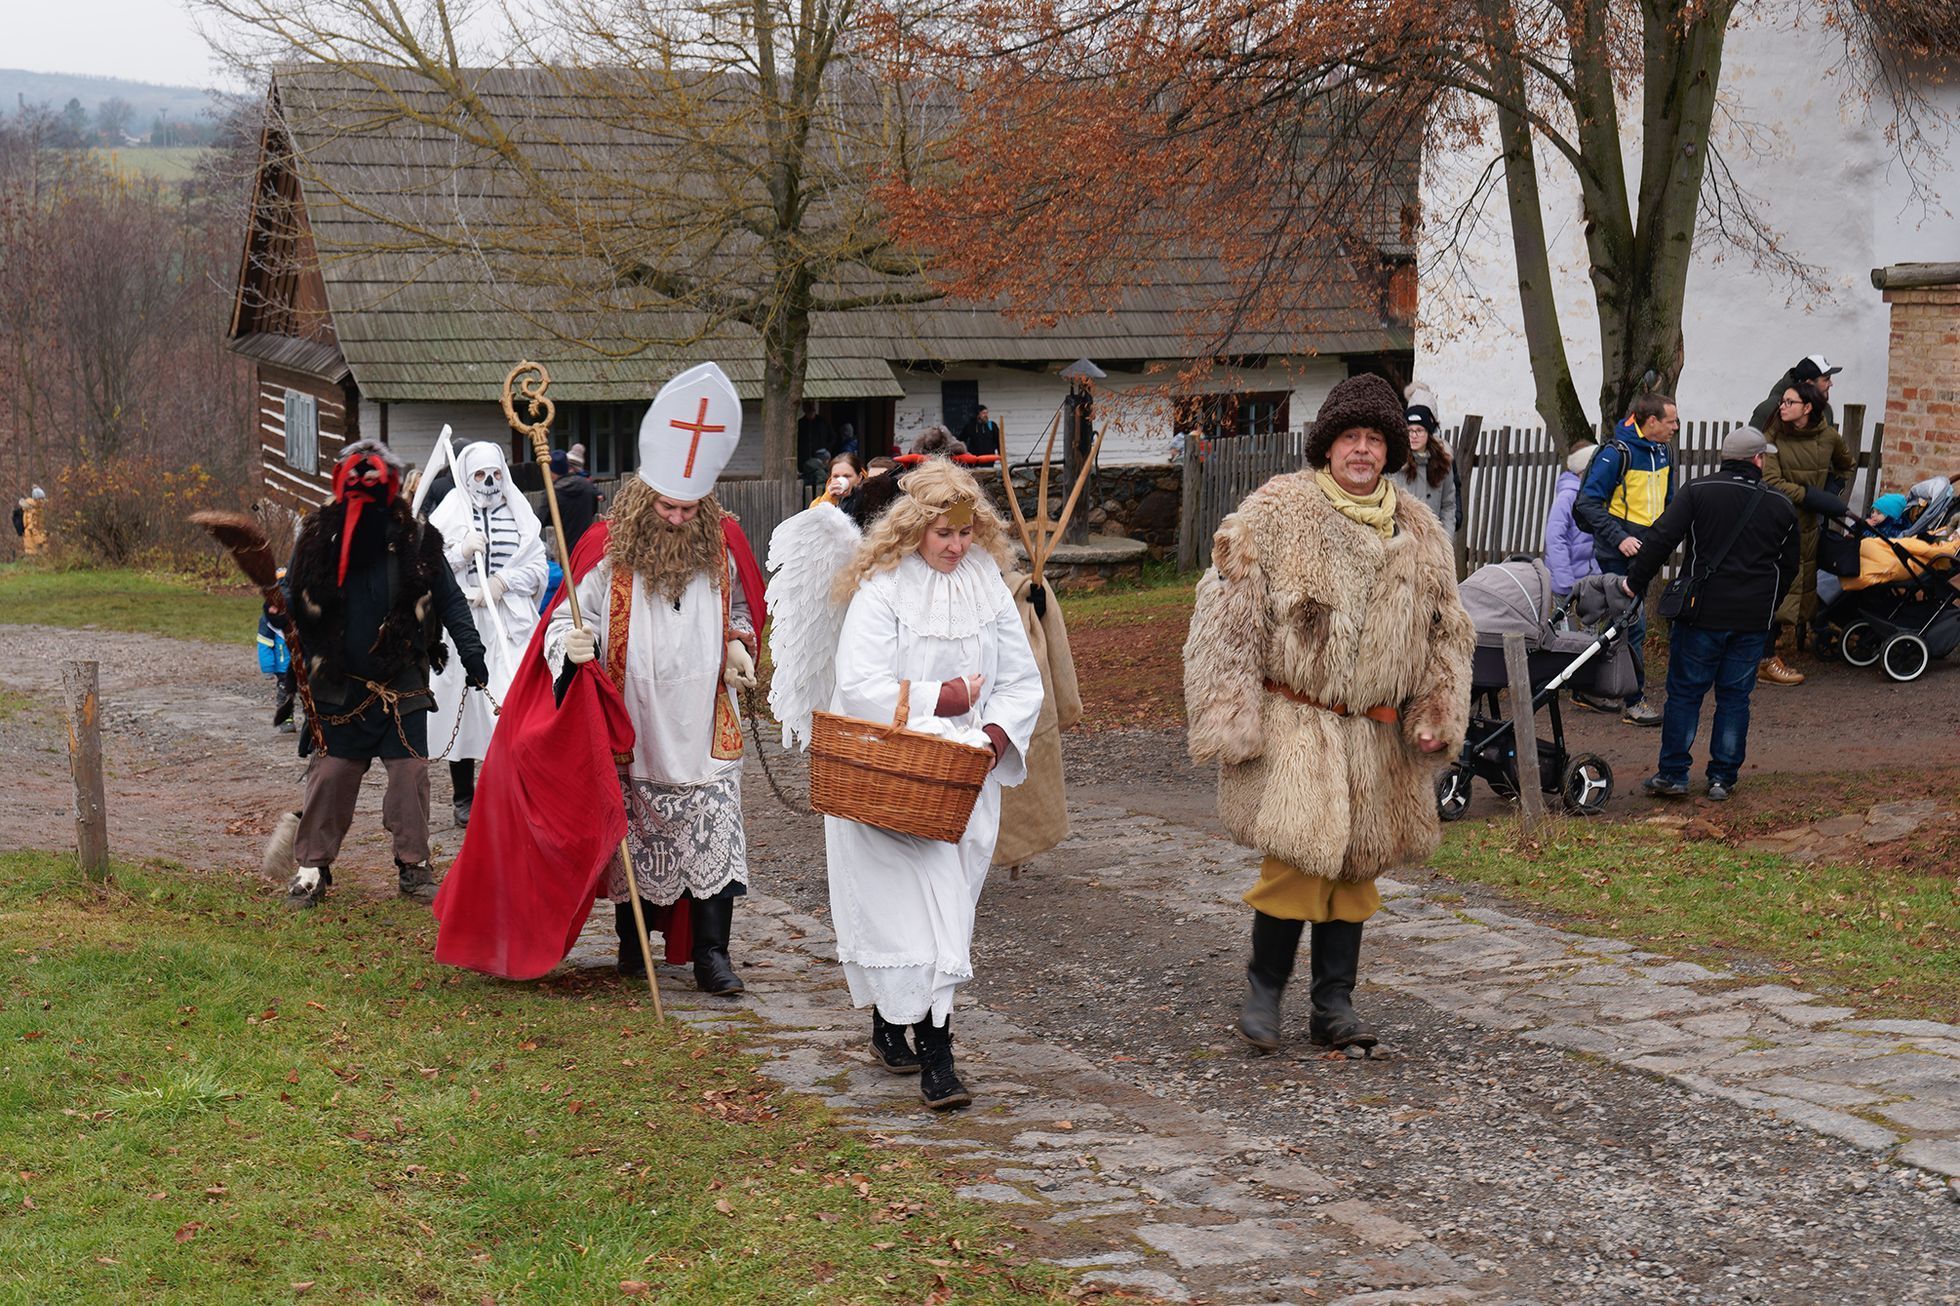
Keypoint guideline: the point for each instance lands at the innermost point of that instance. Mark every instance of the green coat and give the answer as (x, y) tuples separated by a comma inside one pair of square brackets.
[(1803, 460)]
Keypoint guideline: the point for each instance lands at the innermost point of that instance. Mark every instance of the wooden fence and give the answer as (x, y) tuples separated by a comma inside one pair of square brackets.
[(762, 505), (1508, 476)]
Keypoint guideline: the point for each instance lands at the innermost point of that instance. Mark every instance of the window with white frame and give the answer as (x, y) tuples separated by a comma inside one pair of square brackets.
[(302, 432)]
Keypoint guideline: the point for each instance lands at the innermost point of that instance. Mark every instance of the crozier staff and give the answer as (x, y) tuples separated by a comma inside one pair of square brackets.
[(1327, 672)]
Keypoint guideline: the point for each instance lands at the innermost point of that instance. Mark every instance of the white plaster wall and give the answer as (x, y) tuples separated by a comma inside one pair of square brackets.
[(1796, 137), (1133, 408)]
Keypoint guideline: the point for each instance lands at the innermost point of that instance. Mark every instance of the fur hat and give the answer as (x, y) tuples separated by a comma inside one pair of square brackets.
[(937, 441), (379, 450), (1360, 401)]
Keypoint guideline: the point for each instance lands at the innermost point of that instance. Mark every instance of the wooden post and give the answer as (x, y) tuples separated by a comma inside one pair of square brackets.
[(78, 683), (1466, 465), (1524, 732), (1187, 506)]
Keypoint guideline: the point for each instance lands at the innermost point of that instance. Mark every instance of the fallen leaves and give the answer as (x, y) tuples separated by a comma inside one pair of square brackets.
[(188, 1231)]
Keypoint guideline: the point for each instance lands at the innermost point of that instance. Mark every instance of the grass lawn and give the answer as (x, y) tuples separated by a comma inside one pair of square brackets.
[(1886, 941), (1129, 651), (127, 600), (205, 1097)]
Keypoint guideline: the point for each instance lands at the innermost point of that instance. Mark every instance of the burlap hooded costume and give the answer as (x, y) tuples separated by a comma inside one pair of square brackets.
[(1034, 814), (1319, 651)]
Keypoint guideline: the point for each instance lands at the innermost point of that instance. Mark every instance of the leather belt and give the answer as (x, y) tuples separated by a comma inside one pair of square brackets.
[(1388, 716)]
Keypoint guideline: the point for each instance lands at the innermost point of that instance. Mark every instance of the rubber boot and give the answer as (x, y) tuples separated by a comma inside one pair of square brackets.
[(712, 919), (888, 1045), (1274, 944), (462, 781), (632, 960), (1335, 958), (939, 1081)]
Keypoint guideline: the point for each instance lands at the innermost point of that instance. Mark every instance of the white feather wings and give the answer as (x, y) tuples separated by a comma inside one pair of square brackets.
[(806, 555)]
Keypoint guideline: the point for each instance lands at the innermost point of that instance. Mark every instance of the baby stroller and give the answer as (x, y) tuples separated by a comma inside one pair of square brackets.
[(1580, 645), (1901, 610)]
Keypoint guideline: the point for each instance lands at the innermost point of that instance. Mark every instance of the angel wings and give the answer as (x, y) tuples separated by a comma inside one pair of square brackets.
[(806, 555)]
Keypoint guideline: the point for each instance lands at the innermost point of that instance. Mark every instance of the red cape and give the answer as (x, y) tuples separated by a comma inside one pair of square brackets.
[(548, 818)]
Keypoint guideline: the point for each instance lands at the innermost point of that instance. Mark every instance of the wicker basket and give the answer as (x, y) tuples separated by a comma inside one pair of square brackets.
[(894, 778)]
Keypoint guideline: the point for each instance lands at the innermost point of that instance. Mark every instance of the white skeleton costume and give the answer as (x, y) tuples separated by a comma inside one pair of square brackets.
[(683, 801), (903, 907), (485, 521)]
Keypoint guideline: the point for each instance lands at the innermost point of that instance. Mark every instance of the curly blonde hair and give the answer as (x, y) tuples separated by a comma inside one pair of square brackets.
[(929, 490)]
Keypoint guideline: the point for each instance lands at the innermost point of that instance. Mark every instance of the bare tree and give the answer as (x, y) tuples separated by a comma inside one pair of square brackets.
[(684, 169), (112, 117)]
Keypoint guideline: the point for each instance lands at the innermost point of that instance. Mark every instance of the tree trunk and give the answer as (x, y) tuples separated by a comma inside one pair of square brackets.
[(785, 362), (1551, 371)]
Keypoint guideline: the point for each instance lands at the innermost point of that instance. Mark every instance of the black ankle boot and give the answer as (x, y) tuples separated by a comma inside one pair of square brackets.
[(939, 1083), (712, 918), (632, 961), (462, 784), (1274, 944), (1335, 959), (889, 1046)]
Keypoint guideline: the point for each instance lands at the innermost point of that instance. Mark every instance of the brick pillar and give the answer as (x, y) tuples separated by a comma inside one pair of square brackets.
[(1922, 399)]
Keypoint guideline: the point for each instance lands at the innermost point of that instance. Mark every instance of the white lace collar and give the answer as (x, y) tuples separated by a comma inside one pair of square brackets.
[(943, 605)]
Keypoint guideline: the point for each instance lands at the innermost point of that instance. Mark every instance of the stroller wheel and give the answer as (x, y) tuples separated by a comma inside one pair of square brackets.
[(1827, 643), (1905, 657), (1453, 792), (1860, 644), (1588, 783)]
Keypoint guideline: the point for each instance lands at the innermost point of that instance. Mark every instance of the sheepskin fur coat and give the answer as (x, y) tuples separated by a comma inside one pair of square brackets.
[(1306, 598)]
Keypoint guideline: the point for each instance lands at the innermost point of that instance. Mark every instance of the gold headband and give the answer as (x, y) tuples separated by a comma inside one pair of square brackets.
[(959, 512)]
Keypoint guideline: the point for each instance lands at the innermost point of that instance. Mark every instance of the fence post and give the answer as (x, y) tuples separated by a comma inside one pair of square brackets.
[(1524, 733), (1877, 465), (1466, 463), (79, 685), (1187, 506)]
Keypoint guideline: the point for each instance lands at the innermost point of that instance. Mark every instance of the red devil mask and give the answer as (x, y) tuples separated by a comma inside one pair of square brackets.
[(361, 480)]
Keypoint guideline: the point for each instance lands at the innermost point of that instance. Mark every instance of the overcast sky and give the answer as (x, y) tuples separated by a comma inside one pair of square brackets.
[(146, 40)]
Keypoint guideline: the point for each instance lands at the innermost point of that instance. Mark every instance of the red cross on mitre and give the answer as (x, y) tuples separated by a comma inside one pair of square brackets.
[(697, 428)]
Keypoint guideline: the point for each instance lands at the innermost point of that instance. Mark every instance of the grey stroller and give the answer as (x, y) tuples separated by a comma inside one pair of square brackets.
[(1578, 645)]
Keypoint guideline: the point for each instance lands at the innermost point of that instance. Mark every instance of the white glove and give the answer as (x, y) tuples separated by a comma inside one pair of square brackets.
[(470, 545), (739, 671), (493, 589), (474, 595), (581, 646)]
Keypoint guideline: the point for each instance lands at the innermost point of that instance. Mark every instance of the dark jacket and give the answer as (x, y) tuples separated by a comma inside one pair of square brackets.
[(1767, 410), (385, 624), (578, 504), (1758, 569), (1627, 487)]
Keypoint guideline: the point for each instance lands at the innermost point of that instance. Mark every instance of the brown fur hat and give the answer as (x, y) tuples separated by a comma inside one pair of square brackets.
[(1360, 401), (937, 441)]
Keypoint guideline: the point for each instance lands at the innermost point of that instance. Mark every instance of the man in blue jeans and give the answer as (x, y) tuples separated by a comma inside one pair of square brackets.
[(1743, 552)]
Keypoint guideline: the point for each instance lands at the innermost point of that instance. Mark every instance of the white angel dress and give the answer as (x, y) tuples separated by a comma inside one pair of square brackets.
[(514, 554), (903, 907)]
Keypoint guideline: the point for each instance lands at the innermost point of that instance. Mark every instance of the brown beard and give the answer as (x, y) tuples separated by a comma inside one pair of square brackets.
[(665, 557)]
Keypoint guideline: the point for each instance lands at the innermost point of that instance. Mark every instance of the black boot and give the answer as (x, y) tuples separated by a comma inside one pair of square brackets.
[(712, 918), (1335, 959), (889, 1046), (939, 1083), (1274, 943), (462, 783), (632, 960), (416, 880)]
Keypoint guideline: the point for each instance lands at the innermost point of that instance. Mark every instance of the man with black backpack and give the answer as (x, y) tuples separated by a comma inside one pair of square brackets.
[(1626, 488), (1743, 551)]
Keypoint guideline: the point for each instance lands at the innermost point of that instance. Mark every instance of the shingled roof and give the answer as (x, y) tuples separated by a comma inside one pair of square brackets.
[(440, 316)]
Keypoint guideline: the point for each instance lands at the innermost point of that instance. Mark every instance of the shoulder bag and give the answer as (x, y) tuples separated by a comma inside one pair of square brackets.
[(1682, 597)]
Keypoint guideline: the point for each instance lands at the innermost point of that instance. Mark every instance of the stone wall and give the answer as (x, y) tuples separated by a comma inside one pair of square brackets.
[(1922, 401), (1138, 503)]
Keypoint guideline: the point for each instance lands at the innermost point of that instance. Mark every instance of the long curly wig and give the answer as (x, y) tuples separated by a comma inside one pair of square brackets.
[(929, 490)]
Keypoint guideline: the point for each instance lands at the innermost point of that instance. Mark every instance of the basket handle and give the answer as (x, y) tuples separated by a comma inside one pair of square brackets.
[(903, 713)]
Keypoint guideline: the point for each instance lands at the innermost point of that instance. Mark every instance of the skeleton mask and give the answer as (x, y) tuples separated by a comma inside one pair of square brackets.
[(487, 486)]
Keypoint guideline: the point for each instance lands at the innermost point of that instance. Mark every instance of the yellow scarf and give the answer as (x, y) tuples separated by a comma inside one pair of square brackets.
[(1375, 511)]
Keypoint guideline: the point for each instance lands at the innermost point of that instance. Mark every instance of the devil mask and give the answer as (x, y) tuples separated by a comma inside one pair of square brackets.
[(364, 480)]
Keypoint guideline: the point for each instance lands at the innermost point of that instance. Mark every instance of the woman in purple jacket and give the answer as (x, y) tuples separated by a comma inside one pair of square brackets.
[(1568, 548)]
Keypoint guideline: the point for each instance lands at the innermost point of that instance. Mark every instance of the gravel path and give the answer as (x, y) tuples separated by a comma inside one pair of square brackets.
[(1118, 1119)]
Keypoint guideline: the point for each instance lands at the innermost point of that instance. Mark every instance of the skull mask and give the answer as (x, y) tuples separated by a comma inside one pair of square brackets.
[(487, 486)]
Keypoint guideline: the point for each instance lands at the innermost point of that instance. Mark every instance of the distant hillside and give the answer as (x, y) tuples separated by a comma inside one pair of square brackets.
[(176, 103)]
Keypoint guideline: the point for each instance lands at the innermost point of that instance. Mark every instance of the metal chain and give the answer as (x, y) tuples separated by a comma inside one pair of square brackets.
[(392, 700), (795, 807)]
